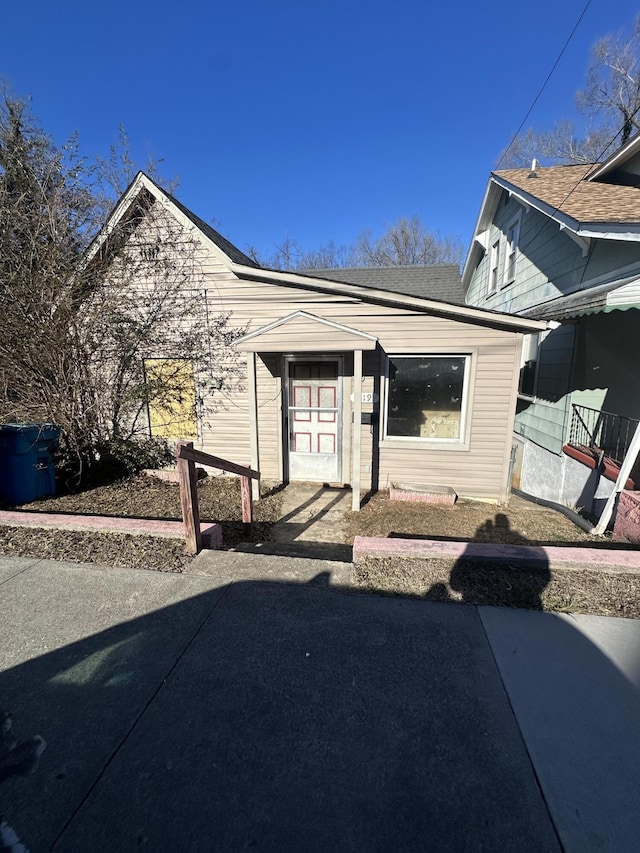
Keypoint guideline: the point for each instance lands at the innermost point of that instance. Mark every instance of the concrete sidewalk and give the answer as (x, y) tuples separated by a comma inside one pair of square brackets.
[(268, 709)]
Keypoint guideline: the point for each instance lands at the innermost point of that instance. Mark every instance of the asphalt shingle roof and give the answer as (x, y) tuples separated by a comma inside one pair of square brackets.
[(565, 188), (439, 281)]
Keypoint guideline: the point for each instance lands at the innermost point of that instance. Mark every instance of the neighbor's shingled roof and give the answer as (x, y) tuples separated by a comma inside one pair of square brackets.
[(437, 281), (565, 188)]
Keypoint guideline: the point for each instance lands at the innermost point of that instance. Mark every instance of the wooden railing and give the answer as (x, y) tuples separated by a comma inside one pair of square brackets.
[(187, 458)]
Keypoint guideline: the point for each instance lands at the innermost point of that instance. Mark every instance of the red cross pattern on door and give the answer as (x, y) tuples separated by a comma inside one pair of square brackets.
[(314, 421)]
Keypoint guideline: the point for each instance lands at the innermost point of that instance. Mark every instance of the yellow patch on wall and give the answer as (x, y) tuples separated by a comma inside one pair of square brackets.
[(173, 413)]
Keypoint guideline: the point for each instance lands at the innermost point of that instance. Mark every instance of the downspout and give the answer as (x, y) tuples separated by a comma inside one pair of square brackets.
[(578, 520)]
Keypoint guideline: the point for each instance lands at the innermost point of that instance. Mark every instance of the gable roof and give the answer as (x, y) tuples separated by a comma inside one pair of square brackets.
[(567, 190), (231, 251), (245, 268), (431, 281), (591, 200), (617, 160), (142, 184)]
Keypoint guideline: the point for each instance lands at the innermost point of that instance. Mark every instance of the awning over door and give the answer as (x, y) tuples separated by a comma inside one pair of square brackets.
[(305, 332)]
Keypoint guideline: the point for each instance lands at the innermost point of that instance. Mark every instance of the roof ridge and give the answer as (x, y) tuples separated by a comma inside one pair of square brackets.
[(312, 270)]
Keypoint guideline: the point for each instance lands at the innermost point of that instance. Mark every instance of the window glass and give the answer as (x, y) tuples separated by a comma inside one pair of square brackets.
[(527, 385), (513, 233), (425, 396), (494, 266)]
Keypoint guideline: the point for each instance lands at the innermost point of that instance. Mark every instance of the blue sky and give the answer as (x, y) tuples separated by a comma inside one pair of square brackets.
[(307, 119)]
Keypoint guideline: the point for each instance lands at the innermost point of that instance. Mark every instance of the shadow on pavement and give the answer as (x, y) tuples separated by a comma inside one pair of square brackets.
[(270, 716)]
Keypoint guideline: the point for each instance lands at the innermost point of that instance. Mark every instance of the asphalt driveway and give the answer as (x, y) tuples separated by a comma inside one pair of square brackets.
[(268, 710)]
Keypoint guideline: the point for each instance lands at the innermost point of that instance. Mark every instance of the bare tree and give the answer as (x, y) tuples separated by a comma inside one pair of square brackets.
[(612, 87), (407, 241), (609, 104), (77, 319), (562, 145)]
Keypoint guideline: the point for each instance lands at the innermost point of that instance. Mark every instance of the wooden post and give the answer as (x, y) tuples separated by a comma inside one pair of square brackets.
[(189, 500), (247, 505)]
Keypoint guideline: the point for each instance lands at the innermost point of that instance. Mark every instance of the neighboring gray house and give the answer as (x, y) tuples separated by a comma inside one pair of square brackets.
[(563, 243)]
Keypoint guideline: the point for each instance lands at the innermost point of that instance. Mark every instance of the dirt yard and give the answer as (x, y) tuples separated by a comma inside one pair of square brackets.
[(219, 499), (139, 497), (518, 524)]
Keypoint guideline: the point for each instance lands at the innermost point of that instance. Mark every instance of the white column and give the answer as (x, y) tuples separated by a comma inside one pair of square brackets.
[(356, 430), (625, 469), (253, 421)]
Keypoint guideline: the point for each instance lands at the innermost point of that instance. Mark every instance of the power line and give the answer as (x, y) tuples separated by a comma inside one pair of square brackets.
[(544, 85)]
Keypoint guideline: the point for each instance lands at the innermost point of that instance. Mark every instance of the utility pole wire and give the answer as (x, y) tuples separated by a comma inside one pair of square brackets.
[(544, 85)]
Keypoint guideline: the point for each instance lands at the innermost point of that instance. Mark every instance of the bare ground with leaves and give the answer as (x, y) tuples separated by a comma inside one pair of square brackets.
[(578, 590), (106, 549), (564, 590), (138, 497), (519, 523)]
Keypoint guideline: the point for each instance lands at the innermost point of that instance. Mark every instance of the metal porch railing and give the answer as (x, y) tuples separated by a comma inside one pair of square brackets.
[(604, 432)]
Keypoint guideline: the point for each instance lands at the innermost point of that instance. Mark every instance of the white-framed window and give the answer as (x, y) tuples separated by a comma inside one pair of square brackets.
[(494, 266), (512, 237), (426, 397)]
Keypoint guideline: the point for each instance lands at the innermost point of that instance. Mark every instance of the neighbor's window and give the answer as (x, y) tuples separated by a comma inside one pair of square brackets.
[(171, 391), (529, 365), (426, 396), (512, 235), (494, 265)]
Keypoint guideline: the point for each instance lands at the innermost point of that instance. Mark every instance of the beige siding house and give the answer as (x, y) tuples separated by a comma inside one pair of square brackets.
[(355, 383)]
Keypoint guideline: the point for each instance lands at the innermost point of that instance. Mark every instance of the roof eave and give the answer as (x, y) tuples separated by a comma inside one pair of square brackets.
[(615, 160), (511, 322), (485, 213), (601, 230), (122, 205)]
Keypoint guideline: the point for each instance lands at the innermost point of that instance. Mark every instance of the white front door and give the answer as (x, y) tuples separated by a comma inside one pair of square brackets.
[(314, 420)]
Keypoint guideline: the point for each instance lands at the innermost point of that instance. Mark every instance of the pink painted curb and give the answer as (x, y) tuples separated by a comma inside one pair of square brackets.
[(211, 532), (521, 555)]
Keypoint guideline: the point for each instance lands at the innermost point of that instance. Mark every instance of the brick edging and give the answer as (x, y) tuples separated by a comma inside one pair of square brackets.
[(517, 555)]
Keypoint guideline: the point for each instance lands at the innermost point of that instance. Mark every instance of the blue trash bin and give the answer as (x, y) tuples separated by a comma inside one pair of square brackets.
[(27, 466)]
